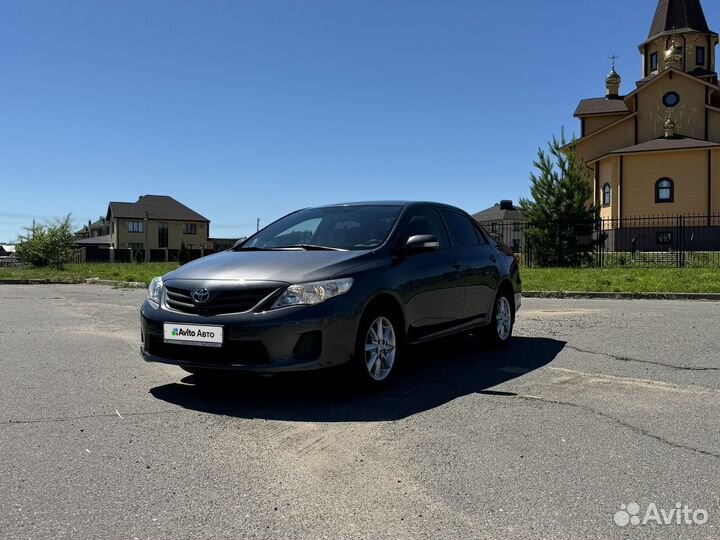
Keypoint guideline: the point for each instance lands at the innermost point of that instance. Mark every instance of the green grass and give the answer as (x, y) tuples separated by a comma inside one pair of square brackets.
[(78, 273), (630, 280)]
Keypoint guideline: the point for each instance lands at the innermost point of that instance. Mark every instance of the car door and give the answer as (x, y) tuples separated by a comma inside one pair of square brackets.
[(431, 284), (478, 261)]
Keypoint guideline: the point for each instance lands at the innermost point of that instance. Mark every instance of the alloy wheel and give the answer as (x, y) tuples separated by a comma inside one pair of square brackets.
[(380, 348), (503, 318)]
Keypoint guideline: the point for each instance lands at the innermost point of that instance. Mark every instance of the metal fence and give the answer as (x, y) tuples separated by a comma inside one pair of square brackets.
[(657, 241), (93, 254)]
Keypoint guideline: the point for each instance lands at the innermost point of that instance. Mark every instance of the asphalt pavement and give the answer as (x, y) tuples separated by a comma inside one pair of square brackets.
[(596, 404)]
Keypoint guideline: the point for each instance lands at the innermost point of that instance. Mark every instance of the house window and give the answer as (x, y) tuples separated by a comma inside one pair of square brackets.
[(664, 238), (136, 226), (607, 195), (700, 56), (136, 245), (653, 62), (189, 228), (516, 245), (664, 191), (517, 227), (494, 227)]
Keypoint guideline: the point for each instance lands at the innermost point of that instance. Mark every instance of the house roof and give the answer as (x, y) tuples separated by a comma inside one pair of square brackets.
[(601, 106), (8, 248), (154, 207), (678, 16), (496, 213), (95, 241), (663, 144)]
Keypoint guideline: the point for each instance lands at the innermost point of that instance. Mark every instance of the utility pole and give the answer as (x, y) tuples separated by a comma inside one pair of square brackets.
[(258, 225)]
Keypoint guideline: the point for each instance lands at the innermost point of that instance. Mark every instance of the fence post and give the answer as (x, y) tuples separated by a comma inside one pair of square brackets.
[(112, 254)]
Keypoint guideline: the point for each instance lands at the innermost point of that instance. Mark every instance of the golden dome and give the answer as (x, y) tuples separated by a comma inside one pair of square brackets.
[(674, 54), (613, 77)]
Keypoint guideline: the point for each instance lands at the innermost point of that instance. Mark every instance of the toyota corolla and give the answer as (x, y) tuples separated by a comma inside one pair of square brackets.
[(344, 284)]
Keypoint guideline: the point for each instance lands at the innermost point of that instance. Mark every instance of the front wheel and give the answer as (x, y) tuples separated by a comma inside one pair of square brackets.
[(378, 348), (499, 331)]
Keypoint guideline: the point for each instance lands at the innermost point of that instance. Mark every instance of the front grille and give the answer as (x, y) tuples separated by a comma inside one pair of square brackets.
[(232, 352), (220, 302)]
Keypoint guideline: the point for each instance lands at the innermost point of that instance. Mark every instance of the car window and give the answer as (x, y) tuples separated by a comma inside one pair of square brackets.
[(426, 221), (299, 233), (342, 227), (463, 231)]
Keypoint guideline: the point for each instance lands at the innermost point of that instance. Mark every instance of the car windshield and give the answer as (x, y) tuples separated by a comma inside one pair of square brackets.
[(334, 227)]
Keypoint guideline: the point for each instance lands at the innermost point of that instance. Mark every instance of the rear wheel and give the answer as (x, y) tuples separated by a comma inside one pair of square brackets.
[(499, 331), (378, 347)]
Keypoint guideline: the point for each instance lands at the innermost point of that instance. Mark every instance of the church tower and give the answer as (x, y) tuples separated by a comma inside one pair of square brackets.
[(680, 38)]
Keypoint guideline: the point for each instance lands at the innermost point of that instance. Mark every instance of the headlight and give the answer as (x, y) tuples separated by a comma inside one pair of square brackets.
[(155, 290), (309, 294)]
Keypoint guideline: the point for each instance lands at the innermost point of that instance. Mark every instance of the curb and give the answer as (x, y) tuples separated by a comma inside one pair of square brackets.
[(91, 281), (711, 297)]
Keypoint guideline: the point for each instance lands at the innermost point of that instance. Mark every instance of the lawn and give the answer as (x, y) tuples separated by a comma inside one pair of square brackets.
[(630, 280), (78, 273)]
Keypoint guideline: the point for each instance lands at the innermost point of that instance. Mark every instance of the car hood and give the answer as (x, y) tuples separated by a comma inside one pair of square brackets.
[(282, 266)]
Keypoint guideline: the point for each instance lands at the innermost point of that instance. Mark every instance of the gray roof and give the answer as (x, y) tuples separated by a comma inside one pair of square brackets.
[(678, 16), (601, 106), (495, 213), (155, 207), (658, 145)]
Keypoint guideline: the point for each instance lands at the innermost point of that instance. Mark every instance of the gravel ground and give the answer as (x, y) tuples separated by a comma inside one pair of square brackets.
[(597, 403)]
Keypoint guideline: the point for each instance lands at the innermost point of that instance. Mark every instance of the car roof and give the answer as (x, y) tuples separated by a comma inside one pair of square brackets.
[(393, 203)]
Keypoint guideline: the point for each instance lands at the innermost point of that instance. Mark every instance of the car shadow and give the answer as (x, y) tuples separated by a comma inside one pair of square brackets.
[(435, 374)]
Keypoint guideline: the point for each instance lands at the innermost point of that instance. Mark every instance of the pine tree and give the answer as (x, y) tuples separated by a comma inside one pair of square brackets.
[(561, 214)]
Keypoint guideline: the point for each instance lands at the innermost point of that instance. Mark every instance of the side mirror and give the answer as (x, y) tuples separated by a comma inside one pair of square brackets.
[(421, 243)]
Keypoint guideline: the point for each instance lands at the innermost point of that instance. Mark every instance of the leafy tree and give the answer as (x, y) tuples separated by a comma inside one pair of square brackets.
[(561, 214), (46, 245), (183, 254)]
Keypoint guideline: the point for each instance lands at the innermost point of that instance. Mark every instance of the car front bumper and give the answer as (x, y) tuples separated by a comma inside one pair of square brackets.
[(299, 338)]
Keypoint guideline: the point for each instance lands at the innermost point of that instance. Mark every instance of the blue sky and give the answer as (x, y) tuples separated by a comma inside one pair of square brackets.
[(254, 108)]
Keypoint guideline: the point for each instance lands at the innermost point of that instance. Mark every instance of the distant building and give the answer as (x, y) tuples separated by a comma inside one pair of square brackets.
[(506, 222), (7, 250), (101, 227), (155, 222)]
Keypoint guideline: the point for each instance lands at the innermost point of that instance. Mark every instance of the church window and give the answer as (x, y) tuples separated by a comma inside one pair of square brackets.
[(664, 191), (607, 195), (671, 99), (700, 56), (653, 61)]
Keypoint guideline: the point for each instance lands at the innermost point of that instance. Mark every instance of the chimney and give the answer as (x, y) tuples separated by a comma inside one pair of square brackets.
[(506, 205)]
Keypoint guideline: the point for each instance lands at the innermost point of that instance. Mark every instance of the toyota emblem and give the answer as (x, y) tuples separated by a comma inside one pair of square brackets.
[(200, 296)]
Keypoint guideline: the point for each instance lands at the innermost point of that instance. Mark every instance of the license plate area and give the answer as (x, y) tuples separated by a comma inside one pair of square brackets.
[(199, 335)]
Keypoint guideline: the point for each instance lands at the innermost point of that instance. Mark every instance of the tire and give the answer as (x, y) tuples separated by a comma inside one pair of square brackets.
[(381, 329), (498, 333)]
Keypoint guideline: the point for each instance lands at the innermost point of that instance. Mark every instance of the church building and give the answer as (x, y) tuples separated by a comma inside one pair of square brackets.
[(655, 150)]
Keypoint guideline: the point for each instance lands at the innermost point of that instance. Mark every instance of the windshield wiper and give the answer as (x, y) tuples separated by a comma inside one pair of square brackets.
[(312, 247)]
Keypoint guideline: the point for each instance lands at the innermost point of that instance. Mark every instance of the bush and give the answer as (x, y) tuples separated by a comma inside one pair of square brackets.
[(183, 254), (46, 245)]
